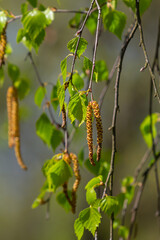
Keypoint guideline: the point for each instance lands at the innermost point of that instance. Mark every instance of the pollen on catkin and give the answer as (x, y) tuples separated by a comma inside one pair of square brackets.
[(3, 43), (90, 132), (10, 93), (63, 117), (77, 180), (13, 124), (97, 115)]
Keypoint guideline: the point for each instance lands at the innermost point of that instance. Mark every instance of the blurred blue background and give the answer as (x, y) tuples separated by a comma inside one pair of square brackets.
[(18, 189)]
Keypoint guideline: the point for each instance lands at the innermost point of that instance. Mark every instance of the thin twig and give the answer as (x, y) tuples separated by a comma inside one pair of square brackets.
[(138, 196), (42, 85), (127, 39), (114, 118), (142, 44), (95, 49)]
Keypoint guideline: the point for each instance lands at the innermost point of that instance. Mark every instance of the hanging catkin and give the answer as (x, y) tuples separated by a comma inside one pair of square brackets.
[(13, 124), (89, 132), (77, 180), (63, 117), (97, 115), (3, 42), (10, 93)]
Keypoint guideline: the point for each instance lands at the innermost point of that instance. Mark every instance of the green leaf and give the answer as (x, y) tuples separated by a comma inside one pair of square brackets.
[(44, 128), (87, 66), (94, 182), (101, 70), (24, 8), (64, 68), (1, 77), (102, 167), (115, 21), (81, 157), (143, 5), (123, 232), (77, 108), (8, 50), (54, 98), (13, 72), (56, 138), (39, 199), (72, 44), (3, 20), (49, 16), (91, 23), (59, 173), (60, 94), (145, 128), (23, 88), (33, 3), (39, 96), (90, 219), (61, 199), (91, 196), (78, 228), (77, 81), (49, 163), (109, 205), (75, 21), (128, 188)]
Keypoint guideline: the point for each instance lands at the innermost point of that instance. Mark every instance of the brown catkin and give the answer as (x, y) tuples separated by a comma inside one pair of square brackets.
[(3, 43), (65, 191), (13, 124), (77, 180), (97, 115), (10, 93), (18, 153), (67, 158), (89, 132), (63, 117)]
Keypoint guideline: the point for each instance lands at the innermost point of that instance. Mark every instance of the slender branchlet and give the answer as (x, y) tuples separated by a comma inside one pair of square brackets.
[(98, 118), (3, 43)]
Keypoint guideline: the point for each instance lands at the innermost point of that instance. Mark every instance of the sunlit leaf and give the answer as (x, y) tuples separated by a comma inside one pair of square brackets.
[(72, 44), (3, 20), (39, 96), (61, 199)]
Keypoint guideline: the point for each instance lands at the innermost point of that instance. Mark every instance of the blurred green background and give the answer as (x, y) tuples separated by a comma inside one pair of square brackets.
[(18, 189)]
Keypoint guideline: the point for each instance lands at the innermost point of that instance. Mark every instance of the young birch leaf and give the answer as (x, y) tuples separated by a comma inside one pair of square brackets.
[(123, 232), (13, 72), (81, 47), (49, 16), (44, 128), (61, 199), (115, 22), (91, 196), (64, 68), (24, 8), (90, 219), (23, 87), (143, 5), (78, 228), (146, 131), (33, 3), (77, 81), (59, 173), (56, 138), (38, 200), (77, 108), (39, 96), (3, 21), (54, 98), (60, 94), (109, 205), (94, 182), (101, 70)]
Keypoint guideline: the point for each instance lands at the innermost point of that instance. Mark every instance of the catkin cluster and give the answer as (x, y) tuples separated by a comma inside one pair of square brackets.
[(72, 200), (3, 42), (13, 124), (93, 107)]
